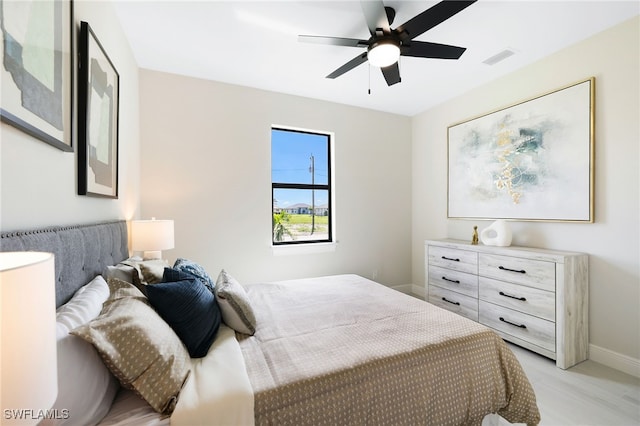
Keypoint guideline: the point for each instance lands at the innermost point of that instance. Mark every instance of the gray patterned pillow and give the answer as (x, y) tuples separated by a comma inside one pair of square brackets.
[(139, 348), (120, 271), (145, 271), (234, 304)]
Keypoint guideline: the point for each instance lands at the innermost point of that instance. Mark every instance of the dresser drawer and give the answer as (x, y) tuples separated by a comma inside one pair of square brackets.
[(534, 330), (454, 280), (454, 302), (528, 300), (534, 273), (460, 260)]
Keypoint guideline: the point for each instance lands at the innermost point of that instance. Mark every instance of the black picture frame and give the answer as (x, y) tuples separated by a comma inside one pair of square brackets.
[(98, 100), (35, 99)]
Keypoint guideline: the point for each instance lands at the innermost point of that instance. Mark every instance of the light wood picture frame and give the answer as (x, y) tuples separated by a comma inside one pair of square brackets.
[(531, 161)]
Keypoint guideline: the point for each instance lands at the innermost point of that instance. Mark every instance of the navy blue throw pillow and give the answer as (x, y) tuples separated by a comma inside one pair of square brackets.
[(172, 275), (191, 310)]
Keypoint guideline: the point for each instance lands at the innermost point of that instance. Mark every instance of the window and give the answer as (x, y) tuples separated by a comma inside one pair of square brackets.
[(300, 187)]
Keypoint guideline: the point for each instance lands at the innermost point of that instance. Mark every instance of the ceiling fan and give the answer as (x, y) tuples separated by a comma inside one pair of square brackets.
[(386, 44)]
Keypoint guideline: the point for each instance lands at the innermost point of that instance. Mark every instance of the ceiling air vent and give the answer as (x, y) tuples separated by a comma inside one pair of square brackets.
[(499, 57)]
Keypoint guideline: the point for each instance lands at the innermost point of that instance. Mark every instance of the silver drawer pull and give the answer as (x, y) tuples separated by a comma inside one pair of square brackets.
[(450, 258), (513, 323), (449, 301), (451, 281), (524, 299), (521, 271)]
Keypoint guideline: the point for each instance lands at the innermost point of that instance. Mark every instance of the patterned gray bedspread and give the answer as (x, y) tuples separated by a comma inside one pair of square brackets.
[(345, 350)]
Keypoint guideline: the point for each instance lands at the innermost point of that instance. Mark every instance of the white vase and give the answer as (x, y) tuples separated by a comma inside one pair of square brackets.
[(497, 234)]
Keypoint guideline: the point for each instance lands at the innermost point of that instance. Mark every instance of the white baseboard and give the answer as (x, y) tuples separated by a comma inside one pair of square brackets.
[(403, 288), (615, 360), (412, 289), (418, 290)]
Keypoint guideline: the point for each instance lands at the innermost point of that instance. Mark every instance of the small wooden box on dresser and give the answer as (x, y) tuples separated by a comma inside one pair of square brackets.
[(535, 298)]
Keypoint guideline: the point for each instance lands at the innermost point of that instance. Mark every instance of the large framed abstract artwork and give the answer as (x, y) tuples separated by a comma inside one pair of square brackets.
[(37, 69), (529, 161), (98, 96)]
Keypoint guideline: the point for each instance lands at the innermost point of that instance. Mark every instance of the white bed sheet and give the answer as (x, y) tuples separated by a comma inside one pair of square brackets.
[(217, 392), (129, 409)]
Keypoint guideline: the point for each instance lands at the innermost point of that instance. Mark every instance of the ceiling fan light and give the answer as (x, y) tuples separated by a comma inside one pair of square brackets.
[(383, 54)]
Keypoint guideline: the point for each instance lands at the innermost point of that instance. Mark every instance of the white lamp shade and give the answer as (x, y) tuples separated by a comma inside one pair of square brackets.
[(152, 235), (28, 359), (383, 54)]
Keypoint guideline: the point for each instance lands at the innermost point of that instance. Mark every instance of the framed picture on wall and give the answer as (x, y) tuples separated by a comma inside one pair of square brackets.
[(98, 96), (529, 161), (37, 71)]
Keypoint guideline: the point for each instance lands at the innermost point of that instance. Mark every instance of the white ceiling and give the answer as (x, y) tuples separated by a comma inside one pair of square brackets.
[(254, 43)]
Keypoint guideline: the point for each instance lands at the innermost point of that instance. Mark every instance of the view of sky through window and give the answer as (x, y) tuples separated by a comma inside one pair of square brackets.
[(291, 162)]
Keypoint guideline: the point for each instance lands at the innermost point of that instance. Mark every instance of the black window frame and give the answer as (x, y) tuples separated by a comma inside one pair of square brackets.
[(305, 186)]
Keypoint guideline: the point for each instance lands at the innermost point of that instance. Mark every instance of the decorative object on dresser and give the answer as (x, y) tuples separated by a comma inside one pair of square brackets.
[(497, 234), (28, 318), (532, 297), (98, 97), (37, 77), (151, 237), (474, 237), (530, 161)]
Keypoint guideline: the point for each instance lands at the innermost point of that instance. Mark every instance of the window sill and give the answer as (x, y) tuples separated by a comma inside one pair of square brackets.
[(295, 249)]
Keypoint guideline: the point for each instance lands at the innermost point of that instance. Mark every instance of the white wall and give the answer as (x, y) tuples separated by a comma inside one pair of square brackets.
[(613, 240), (206, 164), (38, 183)]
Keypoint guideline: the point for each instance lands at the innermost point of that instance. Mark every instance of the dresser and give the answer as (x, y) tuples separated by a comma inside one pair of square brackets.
[(535, 298)]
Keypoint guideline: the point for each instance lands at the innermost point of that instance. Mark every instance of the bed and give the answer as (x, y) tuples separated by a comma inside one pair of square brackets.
[(329, 350)]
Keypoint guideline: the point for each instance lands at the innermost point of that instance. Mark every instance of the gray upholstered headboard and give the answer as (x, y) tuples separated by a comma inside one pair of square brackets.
[(81, 251)]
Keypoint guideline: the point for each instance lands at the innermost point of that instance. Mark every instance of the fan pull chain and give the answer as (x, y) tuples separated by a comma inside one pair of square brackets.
[(369, 91)]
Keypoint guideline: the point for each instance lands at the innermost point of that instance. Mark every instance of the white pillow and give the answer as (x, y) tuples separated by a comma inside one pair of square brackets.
[(86, 388)]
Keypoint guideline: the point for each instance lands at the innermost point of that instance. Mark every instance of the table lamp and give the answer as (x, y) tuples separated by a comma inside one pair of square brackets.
[(28, 358), (151, 237)]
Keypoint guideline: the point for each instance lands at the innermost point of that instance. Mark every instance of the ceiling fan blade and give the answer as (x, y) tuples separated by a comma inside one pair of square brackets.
[(349, 65), (376, 16), (391, 74), (432, 17), (423, 49), (333, 41)]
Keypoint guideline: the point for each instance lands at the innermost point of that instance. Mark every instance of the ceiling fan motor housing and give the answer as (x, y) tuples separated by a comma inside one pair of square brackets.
[(384, 51)]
